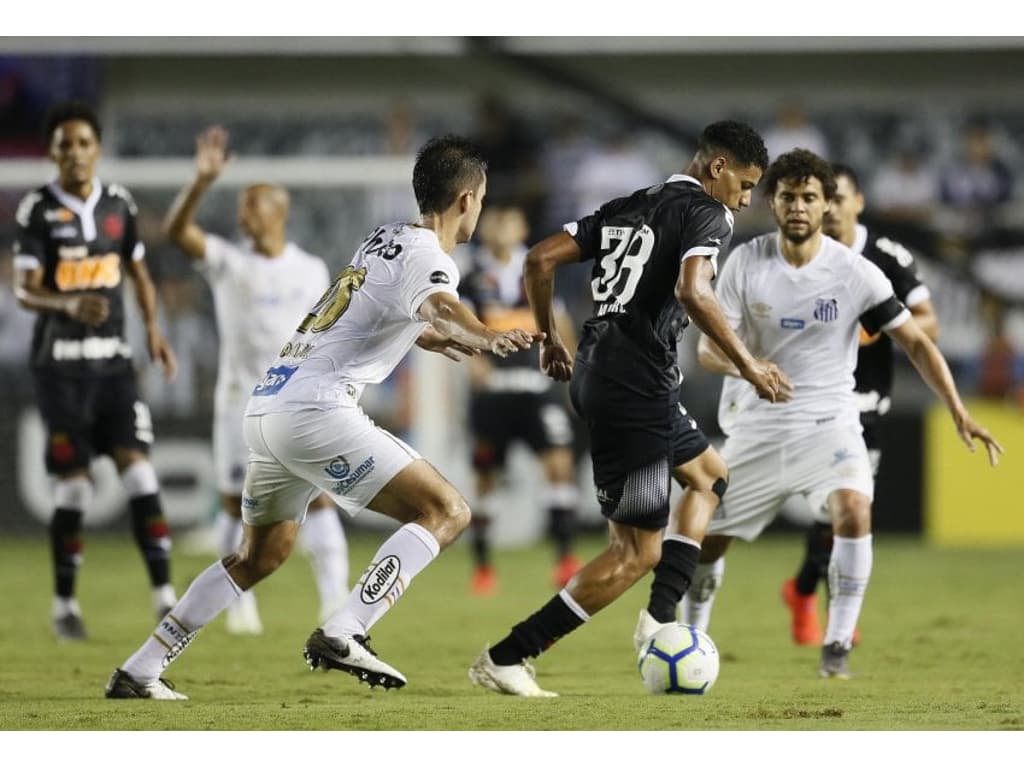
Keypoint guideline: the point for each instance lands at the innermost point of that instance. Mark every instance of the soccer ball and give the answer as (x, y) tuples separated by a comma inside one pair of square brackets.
[(679, 658)]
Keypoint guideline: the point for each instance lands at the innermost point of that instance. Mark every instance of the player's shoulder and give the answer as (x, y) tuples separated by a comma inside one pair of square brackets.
[(882, 248), (120, 193), (32, 202), (757, 249)]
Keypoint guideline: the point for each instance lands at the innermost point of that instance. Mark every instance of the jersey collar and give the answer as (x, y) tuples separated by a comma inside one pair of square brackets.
[(682, 177), (83, 208)]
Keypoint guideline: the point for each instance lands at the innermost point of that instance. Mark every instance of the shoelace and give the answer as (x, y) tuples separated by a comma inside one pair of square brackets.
[(364, 640)]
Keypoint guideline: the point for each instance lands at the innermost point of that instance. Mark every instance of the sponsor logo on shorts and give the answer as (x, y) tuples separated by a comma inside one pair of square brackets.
[(380, 579), (353, 477), (604, 497), (792, 323), (840, 456), (440, 276), (248, 502), (338, 468), (826, 310)]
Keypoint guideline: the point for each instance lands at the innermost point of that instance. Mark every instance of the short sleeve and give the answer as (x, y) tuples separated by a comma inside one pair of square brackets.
[(587, 234), (427, 272), (729, 288), (898, 265), (132, 249), (218, 254), (706, 231), (29, 243), (875, 299)]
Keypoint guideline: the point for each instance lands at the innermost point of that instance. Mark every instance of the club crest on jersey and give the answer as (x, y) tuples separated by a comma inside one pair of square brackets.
[(826, 310)]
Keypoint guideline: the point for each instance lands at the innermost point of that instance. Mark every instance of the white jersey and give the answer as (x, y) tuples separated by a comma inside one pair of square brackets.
[(806, 320), (363, 326), (258, 302)]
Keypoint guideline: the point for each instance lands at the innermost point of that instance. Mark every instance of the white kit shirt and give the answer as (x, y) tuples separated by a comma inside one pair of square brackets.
[(362, 328), (258, 301), (806, 320)]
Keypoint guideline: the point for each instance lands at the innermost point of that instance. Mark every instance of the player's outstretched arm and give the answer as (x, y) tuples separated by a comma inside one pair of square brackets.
[(433, 341), (729, 355), (452, 320), (179, 224), (542, 261), (932, 366)]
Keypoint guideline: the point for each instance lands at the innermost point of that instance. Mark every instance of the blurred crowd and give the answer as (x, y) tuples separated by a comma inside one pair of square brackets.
[(948, 185)]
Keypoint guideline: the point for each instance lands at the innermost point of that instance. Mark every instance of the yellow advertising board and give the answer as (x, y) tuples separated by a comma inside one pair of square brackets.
[(968, 503)]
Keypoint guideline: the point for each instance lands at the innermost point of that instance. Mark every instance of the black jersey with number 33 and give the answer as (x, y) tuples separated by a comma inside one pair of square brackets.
[(637, 244), (81, 246)]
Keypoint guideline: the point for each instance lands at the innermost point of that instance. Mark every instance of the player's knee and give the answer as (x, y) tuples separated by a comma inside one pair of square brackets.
[(446, 517)]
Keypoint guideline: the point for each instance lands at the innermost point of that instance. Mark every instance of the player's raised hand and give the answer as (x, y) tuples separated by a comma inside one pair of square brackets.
[(968, 429), (505, 343), (211, 152), (555, 361), (90, 308), (769, 381)]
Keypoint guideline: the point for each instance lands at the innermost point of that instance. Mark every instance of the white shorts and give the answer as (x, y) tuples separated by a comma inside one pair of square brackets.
[(230, 452), (294, 456), (763, 475)]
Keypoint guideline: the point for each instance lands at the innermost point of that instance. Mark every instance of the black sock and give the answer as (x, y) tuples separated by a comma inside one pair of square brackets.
[(66, 549), (478, 529), (537, 633), (153, 537), (817, 553), (561, 527), (672, 577)]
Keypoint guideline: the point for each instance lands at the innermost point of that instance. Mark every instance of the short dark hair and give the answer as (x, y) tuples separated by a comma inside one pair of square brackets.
[(799, 165), (738, 140), (841, 169), (445, 166), (70, 110)]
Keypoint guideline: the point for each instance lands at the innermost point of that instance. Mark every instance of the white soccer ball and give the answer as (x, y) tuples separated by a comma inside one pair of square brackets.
[(679, 658)]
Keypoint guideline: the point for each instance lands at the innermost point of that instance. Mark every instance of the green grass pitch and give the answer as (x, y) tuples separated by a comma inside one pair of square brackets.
[(942, 650)]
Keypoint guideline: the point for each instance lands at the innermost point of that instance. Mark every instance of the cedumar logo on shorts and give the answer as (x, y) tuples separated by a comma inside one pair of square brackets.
[(339, 469), (380, 579)]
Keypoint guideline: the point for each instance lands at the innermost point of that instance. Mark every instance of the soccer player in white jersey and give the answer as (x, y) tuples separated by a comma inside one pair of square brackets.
[(798, 298), (260, 286), (307, 433)]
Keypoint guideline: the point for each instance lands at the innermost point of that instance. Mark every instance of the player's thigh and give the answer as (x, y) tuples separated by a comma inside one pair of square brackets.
[(840, 461), (694, 462), (339, 451), (67, 407), (418, 490), (755, 493), (123, 419), (230, 451)]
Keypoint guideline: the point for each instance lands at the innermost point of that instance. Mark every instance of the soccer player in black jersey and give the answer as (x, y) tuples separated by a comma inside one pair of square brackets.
[(873, 381), (512, 400), (654, 255), (76, 237)]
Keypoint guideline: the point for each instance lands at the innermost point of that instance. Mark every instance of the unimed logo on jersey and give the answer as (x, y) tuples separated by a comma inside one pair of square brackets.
[(380, 579), (826, 310)]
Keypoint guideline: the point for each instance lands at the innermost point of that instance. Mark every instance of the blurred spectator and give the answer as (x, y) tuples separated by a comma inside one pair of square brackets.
[(977, 178), (15, 323), (560, 161), (793, 129), (997, 365), (401, 137), (512, 153), (905, 188), (613, 170)]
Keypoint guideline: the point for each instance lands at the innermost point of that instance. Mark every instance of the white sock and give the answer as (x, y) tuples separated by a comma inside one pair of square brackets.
[(62, 606), (695, 607), (409, 550), (228, 531), (848, 572), (211, 592), (324, 539)]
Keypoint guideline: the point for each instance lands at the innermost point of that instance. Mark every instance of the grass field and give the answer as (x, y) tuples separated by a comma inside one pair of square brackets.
[(943, 649)]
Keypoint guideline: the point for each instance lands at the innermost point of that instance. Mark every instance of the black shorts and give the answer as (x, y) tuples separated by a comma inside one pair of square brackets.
[(498, 419), (634, 440), (87, 416)]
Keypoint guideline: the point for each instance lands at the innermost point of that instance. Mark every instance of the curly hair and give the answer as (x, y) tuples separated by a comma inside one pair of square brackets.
[(64, 111), (798, 166), (738, 140)]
